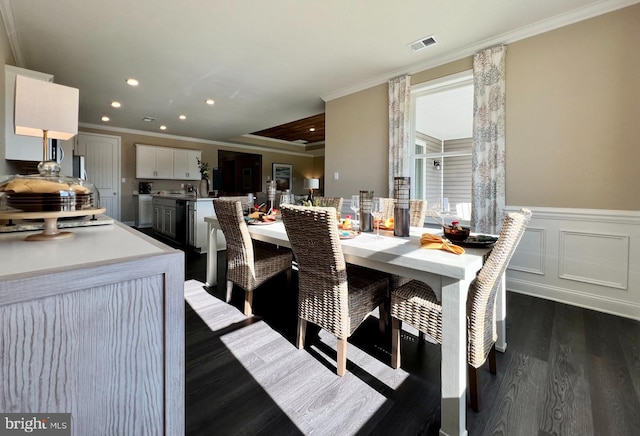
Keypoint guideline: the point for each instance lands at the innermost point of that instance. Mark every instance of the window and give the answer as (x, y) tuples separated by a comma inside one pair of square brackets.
[(443, 139)]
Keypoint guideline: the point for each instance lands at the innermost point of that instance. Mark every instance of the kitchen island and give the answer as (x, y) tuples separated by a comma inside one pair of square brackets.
[(180, 218), (94, 326)]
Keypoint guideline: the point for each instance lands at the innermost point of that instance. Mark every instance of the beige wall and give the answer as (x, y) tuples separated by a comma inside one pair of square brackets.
[(573, 105), (573, 115), (356, 143), (302, 166)]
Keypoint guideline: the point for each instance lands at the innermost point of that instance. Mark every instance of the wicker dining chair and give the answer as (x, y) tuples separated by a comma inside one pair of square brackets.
[(332, 294), (416, 304), (335, 202), (417, 211), (249, 264)]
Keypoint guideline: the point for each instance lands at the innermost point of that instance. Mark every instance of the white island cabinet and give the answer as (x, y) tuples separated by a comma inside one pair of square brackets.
[(94, 326)]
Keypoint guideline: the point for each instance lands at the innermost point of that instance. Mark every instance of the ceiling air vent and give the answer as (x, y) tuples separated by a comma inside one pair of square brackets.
[(422, 43), (148, 119)]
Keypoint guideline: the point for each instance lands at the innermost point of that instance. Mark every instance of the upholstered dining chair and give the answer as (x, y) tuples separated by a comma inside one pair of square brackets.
[(416, 304), (332, 294), (335, 202), (249, 264)]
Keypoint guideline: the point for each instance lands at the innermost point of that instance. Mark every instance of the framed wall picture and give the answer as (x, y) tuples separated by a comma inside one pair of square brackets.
[(283, 176)]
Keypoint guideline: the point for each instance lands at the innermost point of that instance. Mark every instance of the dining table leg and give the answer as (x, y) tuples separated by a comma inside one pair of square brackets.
[(501, 316), (454, 357), (212, 256)]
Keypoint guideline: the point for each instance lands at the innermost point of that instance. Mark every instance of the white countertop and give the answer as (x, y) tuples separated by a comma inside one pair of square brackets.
[(89, 244)]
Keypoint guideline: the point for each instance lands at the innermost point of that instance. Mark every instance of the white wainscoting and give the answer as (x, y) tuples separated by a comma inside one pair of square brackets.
[(583, 257)]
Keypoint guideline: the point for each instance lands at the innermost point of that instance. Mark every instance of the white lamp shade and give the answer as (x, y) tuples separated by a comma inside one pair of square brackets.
[(41, 105), (311, 183)]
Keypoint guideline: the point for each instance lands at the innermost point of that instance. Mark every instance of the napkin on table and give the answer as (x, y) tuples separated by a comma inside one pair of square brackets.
[(436, 242)]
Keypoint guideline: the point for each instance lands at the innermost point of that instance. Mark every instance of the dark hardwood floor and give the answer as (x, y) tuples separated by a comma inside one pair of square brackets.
[(567, 371)]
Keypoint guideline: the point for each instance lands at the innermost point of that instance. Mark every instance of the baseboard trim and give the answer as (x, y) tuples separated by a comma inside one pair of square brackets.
[(575, 298)]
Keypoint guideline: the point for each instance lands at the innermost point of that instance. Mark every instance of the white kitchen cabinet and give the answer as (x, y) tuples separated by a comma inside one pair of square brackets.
[(154, 162), (19, 147), (185, 164), (144, 213)]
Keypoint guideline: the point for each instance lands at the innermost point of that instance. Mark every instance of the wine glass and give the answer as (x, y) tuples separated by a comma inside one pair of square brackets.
[(377, 210), (355, 206)]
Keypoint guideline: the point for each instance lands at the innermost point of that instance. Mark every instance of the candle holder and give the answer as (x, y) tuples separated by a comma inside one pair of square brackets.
[(366, 205), (401, 215)]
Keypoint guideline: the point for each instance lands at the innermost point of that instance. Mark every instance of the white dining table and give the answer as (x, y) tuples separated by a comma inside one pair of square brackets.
[(448, 274)]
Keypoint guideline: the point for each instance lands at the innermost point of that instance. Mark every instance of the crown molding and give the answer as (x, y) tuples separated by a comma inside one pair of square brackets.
[(571, 17), (196, 140), (12, 34)]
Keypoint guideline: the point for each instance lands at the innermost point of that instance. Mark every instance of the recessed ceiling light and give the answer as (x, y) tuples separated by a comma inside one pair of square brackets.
[(209, 101), (313, 129), (183, 117), (163, 127), (115, 104), (105, 118), (132, 82)]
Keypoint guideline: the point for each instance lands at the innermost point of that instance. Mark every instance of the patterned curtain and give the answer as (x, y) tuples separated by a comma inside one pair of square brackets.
[(399, 126), (488, 173)]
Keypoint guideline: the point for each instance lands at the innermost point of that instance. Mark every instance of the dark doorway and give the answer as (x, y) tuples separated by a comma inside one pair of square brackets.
[(238, 173)]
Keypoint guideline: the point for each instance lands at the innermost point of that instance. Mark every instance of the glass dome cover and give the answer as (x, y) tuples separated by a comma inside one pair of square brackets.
[(47, 192)]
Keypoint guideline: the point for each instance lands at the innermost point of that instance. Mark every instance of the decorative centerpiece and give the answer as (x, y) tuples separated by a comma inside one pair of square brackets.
[(455, 232), (203, 189)]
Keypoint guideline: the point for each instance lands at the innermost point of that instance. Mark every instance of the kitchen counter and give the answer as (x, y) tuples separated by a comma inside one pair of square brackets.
[(89, 244), (106, 306), (182, 197)]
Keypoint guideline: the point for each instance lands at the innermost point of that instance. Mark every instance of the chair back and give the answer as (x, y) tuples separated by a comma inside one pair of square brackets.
[(322, 275), (417, 212), (240, 255), (481, 307), (388, 205), (335, 202)]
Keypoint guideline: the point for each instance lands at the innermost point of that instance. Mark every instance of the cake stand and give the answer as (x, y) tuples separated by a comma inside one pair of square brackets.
[(51, 231)]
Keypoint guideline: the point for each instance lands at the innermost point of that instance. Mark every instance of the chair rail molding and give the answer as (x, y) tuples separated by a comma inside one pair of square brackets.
[(583, 257)]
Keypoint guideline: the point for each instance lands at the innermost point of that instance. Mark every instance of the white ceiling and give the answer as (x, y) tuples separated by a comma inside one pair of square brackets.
[(264, 62)]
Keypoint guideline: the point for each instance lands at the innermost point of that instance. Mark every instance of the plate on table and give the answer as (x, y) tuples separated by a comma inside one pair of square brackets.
[(477, 241), (348, 234), (254, 222)]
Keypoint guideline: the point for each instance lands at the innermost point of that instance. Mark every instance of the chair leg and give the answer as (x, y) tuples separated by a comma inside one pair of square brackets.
[(492, 359), (384, 314), (342, 356), (229, 289), (302, 332), (474, 388), (248, 301), (421, 337), (396, 326), (288, 272)]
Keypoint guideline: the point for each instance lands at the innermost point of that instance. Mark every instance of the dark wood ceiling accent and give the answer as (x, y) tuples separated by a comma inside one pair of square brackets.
[(297, 130)]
